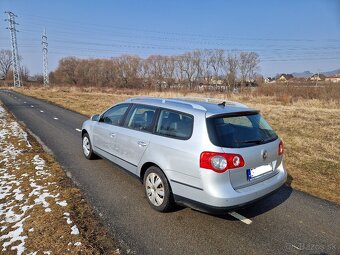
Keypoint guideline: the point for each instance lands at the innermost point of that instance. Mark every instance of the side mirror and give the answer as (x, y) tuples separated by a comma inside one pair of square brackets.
[(95, 117)]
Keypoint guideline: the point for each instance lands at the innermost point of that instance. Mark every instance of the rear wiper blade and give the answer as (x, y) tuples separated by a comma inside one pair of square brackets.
[(258, 141)]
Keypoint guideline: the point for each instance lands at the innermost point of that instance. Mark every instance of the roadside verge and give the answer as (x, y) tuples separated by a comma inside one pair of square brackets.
[(41, 210)]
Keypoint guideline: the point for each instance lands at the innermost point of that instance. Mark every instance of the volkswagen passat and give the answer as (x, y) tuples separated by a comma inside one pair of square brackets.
[(205, 155)]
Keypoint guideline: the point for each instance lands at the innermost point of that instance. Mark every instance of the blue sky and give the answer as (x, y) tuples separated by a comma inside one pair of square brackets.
[(289, 35)]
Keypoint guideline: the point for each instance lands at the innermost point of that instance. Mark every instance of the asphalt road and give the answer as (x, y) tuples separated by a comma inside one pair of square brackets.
[(287, 222)]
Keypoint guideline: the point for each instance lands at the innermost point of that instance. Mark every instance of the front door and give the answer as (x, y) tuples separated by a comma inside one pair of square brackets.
[(134, 137), (105, 131)]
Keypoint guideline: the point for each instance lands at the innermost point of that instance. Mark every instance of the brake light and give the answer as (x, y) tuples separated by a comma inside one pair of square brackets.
[(281, 149), (220, 162)]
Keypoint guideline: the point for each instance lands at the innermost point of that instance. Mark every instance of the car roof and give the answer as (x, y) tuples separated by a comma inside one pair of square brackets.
[(209, 106)]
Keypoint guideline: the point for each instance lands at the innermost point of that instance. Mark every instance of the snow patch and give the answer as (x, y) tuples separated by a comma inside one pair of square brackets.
[(67, 217), (62, 203), (74, 230)]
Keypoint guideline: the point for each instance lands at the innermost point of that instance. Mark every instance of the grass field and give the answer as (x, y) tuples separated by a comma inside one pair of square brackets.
[(307, 120)]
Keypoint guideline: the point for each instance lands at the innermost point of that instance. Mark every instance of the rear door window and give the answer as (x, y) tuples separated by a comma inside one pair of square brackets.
[(141, 117), (240, 131), (174, 124)]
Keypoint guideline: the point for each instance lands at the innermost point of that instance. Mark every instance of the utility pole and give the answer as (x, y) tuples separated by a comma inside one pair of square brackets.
[(15, 54), (317, 79), (45, 60)]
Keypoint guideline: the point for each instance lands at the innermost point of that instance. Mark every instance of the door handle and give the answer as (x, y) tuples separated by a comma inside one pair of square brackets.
[(113, 135), (141, 143)]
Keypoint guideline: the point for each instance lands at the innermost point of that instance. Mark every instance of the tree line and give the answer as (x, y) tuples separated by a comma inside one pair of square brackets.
[(198, 68), (189, 70)]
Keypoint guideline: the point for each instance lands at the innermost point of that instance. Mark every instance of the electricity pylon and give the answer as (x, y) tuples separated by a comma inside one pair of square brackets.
[(15, 54), (45, 60)]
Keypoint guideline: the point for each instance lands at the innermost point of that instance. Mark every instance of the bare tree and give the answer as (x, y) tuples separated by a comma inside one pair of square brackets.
[(218, 62), (231, 72), (187, 67), (169, 69), (128, 68), (248, 66), (66, 71), (24, 73), (197, 59), (207, 59), (156, 67), (5, 62)]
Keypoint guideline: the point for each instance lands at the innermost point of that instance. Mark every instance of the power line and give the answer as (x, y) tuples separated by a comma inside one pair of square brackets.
[(193, 35), (15, 54)]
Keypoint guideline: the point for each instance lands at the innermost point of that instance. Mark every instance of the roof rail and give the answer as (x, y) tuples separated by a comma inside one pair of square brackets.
[(170, 100), (210, 100), (140, 98), (193, 105)]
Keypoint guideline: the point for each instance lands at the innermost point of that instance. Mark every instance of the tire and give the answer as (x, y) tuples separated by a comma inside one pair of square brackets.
[(157, 190), (87, 147)]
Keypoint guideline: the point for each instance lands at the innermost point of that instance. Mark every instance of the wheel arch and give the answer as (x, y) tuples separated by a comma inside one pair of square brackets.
[(145, 167), (83, 132)]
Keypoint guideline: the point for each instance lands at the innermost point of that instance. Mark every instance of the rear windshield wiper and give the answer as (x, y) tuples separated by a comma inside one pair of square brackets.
[(258, 141)]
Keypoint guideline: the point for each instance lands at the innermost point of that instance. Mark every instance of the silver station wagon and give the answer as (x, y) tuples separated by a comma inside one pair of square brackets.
[(208, 155)]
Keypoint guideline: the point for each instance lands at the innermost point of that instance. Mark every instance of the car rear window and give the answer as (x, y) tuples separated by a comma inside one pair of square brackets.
[(240, 131)]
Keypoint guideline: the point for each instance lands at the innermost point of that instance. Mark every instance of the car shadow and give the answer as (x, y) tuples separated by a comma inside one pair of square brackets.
[(268, 203)]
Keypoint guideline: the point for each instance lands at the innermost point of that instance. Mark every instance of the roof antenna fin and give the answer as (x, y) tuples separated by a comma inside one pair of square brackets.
[(222, 104)]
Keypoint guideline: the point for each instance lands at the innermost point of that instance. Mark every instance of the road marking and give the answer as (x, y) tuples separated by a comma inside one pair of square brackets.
[(32, 106), (240, 217), (55, 118), (41, 111), (296, 247), (25, 102), (79, 130)]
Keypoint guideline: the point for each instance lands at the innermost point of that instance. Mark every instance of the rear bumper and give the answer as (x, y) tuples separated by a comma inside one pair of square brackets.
[(227, 198), (217, 209)]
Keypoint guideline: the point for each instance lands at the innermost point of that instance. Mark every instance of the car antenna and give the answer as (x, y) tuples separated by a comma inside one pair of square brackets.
[(222, 104)]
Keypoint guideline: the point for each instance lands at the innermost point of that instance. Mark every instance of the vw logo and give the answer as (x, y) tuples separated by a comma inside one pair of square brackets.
[(264, 154)]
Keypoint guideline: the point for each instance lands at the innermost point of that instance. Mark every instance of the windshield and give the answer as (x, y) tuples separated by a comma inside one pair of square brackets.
[(240, 131)]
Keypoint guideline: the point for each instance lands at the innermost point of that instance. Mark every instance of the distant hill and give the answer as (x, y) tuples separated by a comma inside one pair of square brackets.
[(330, 73), (304, 74), (307, 74)]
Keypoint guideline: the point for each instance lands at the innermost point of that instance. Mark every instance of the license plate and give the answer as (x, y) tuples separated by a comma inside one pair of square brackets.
[(259, 171)]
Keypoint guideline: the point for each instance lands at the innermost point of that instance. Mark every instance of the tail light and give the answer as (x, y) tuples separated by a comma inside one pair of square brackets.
[(220, 162), (280, 152)]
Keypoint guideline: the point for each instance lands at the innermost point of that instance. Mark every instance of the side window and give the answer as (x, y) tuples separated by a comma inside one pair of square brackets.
[(115, 115), (141, 117), (174, 124)]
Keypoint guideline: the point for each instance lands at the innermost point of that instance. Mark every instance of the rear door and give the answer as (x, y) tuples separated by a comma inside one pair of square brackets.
[(134, 137), (105, 130), (250, 136)]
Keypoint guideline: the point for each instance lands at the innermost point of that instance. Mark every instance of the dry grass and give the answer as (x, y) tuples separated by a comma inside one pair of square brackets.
[(44, 224), (309, 125)]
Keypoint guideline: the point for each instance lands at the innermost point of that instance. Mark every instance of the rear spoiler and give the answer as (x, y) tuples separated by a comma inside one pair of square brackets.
[(234, 114)]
